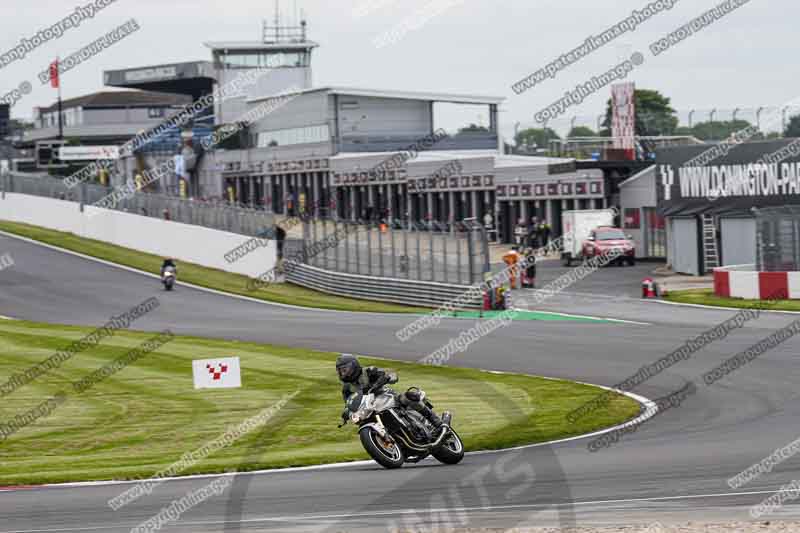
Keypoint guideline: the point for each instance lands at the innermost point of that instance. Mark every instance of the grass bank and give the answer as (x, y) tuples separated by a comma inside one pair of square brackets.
[(147, 415)]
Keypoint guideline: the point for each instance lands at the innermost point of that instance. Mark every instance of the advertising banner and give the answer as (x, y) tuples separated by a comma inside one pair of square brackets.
[(743, 176), (623, 117)]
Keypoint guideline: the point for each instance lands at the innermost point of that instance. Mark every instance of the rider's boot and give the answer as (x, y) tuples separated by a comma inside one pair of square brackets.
[(428, 413)]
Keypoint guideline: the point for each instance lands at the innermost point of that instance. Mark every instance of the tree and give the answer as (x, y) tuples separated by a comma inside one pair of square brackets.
[(793, 127), (581, 131), (718, 130), (654, 115), (531, 138)]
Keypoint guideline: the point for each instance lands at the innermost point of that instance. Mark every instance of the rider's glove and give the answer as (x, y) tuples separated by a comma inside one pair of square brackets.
[(379, 383)]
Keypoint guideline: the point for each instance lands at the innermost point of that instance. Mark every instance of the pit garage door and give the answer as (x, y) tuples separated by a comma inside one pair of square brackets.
[(686, 260), (738, 241)]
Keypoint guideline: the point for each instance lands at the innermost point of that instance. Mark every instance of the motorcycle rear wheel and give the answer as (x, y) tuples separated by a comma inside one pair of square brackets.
[(387, 454), (451, 450)]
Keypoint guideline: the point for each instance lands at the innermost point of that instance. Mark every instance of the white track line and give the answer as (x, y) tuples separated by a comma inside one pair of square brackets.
[(598, 318), (714, 307)]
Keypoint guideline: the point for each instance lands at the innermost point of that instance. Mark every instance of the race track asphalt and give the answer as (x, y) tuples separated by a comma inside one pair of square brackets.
[(673, 469)]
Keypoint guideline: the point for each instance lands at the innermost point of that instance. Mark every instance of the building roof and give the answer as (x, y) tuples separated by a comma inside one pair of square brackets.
[(403, 95), (424, 156), (121, 99), (509, 161), (260, 45), (638, 175)]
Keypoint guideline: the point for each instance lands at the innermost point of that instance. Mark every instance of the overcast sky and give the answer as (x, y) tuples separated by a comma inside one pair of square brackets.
[(747, 59)]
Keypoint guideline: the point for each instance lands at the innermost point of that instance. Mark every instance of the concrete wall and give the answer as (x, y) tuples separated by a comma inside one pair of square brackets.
[(193, 244)]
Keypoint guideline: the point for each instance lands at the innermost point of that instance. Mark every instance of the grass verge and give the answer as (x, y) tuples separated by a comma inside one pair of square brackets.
[(206, 277), (147, 415), (707, 297)]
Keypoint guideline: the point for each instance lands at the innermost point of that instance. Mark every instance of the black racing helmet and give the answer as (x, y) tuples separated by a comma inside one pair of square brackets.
[(348, 367)]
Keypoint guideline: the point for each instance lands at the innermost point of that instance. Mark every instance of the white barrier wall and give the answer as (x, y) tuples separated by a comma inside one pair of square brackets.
[(193, 244)]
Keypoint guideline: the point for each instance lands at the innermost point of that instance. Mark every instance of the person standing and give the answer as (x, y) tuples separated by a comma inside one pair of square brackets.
[(511, 259), (544, 233), (529, 276), (519, 232), (533, 234), (280, 238)]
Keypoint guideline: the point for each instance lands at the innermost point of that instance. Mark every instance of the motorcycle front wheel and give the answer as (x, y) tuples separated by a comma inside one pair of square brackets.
[(385, 452), (451, 450)]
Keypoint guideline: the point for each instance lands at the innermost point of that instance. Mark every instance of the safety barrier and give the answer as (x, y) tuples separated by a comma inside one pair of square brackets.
[(215, 215), (409, 292), (744, 281)]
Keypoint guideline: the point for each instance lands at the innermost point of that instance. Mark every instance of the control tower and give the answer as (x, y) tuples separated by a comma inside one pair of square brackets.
[(285, 50)]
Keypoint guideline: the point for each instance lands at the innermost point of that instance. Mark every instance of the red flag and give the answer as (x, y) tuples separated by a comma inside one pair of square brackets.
[(54, 74)]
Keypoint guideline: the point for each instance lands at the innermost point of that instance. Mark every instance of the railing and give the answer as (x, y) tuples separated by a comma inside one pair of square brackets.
[(216, 215), (401, 291), (433, 253)]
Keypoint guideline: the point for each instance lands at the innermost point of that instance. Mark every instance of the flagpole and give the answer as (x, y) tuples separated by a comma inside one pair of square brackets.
[(60, 123)]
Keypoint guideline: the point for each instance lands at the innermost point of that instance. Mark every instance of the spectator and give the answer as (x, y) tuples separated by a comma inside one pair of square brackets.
[(280, 238), (529, 276), (544, 233), (519, 232), (533, 233)]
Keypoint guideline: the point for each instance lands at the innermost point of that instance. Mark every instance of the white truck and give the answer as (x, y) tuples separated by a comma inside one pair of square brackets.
[(576, 227)]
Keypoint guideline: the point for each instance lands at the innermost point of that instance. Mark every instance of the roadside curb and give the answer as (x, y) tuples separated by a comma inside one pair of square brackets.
[(717, 307)]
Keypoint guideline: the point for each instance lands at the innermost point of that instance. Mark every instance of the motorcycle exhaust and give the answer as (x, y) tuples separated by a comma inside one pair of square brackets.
[(444, 429)]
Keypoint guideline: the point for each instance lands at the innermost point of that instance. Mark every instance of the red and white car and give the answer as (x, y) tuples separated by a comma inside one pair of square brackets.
[(604, 239)]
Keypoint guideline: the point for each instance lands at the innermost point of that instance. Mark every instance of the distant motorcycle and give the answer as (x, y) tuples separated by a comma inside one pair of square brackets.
[(168, 277), (393, 435)]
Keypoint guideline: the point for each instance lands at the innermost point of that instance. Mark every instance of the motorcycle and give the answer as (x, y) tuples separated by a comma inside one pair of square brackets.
[(393, 435), (168, 278)]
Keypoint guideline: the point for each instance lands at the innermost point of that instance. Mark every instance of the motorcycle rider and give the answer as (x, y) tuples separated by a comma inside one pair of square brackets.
[(168, 262), (356, 379)]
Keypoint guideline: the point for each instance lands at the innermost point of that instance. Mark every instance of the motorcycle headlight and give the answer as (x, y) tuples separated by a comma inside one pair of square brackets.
[(361, 414)]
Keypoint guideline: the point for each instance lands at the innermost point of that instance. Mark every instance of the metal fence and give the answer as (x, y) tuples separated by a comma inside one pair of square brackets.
[(402, 291), (778, 238), (216, 215), (417, 252)]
